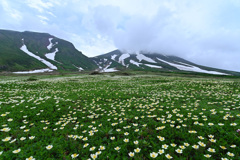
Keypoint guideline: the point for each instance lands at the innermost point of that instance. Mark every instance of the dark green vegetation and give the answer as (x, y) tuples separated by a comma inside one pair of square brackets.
[(109, 117), (14, 59)]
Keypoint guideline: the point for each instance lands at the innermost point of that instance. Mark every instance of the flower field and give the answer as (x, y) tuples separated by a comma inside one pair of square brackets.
[(129, 117)]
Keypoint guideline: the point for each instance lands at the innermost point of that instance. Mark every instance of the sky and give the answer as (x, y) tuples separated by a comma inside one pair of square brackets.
[(206, 32)]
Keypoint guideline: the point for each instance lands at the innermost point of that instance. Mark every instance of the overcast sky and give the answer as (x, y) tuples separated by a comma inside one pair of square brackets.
[(206, 32)]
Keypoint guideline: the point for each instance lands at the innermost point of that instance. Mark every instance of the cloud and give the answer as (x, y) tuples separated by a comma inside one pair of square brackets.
[(13, 13), (43, 19), (93, 45), (190, 29), (205, 32), (39, 5)]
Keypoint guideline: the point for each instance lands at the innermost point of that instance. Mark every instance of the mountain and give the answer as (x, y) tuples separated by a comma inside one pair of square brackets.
[(118, 60), (32, 52)]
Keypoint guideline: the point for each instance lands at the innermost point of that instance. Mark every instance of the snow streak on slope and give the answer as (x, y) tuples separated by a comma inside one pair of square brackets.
[(110, 70), (113, 57), (106, 69), (79, 68), (52, 55), (191, 68), (122, 57), (152, 66), (50, 65), (34, 71), (135, 63), (141, 57), (51, 44)]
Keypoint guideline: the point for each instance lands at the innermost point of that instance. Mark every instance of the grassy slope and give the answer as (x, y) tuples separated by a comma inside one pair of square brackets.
[(11, 57)]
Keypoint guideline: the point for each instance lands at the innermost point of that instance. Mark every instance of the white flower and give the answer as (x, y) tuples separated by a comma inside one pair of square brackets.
[(102, 148), (131, 154), (117, 148), (6, 139), (22, 138), (49, 147), (168, 156), (6, 129), (17, 151), (178, 151), (137, 150), (74, 155), (94, 156), (161, 151), (30, 158), (153, 155), (230, 154)]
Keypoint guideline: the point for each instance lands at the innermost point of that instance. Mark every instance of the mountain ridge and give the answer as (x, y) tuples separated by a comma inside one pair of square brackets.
[(34, 52), (152, 61)]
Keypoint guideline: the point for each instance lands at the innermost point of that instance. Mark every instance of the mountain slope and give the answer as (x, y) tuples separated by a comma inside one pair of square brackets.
[(117, 60), (24, 51)]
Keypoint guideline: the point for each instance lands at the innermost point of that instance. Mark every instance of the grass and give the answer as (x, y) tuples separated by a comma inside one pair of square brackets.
[(119, 117)]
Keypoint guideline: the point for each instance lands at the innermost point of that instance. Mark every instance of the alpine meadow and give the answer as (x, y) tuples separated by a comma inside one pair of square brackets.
[(119, 117), (119, 80)]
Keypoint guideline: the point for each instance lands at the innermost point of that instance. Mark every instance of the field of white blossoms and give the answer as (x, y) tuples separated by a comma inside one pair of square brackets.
[(131, 117)]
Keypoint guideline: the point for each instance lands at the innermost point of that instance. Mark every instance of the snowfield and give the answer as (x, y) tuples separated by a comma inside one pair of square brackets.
[(135, 63), (141, 57), (52, 55), (34, 71), (51, 44), (113, 57), (106, 69), (110, 70), (50, 65), (152, 66), (123, 57), (191, 68)]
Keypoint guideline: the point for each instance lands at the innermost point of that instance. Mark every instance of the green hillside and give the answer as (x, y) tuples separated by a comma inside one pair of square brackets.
[(12, 58)]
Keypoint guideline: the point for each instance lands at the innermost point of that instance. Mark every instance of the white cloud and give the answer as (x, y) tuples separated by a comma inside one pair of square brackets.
[(203, 31), (39, 5), (50, 13), (43, 19), (13, 13), (93, 45)]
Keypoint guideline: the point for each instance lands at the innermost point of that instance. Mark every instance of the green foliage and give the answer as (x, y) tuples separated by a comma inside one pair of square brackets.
[(32, 78), (86, 114)]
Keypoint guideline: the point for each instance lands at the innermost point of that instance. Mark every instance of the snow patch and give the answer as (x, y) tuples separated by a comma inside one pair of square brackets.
[(113, 57), (141, 57), (191, 68), (110, 70), (34, 71), (50, 65), (135, 63), (184, 63), (79, 68), (52, 55), (123, 57), (51, 44), (106, 69), (152, 66)]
